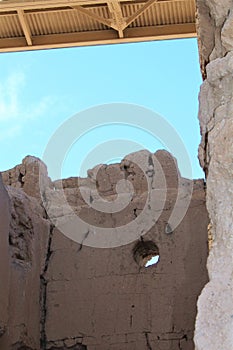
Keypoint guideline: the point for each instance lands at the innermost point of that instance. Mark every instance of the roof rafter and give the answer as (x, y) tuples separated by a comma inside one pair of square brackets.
[(25, 26), (139, 12), (9, 5), (94, 16), (119, 23)]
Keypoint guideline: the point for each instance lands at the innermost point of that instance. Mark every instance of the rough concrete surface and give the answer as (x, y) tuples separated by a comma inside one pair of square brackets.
[(67, 295), (215, 306)]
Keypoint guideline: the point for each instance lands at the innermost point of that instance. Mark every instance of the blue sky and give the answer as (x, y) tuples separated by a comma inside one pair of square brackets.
[(40, 90)]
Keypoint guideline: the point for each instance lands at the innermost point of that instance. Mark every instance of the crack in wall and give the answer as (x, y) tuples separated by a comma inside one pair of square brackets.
[(43, 292), (82, 242), (148, 341), (185, 337), (206, 154)]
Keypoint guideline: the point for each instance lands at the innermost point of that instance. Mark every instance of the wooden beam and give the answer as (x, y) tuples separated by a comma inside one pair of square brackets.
[(12, 6), (165, 32), (92, 15), (162, 32), (138, 13), (9, 5), (25, 26), (119, 22)]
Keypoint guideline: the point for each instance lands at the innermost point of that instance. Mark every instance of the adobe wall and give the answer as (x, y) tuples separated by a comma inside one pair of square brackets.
[(72, 295), (4, 257), (215, 306), (43, 289)]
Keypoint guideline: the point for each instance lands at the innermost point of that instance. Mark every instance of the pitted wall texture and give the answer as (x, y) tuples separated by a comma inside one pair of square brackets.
[(215, 306), (67, 295)]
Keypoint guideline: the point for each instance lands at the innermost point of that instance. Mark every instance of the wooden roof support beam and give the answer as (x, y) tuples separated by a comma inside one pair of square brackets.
[(108, 36), (108, 22), (10, 6), (119, 22), (138, 13), (92, 15), (25, 27)]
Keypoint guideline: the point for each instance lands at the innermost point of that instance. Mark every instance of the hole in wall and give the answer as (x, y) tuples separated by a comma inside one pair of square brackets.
[(153, 261), (146, 253)]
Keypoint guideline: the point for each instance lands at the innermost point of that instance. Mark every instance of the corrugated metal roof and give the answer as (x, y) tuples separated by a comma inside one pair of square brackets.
[(38, 24), (162, 13)]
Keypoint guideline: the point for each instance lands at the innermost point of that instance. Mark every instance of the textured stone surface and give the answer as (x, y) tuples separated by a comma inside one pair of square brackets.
[(26, 176), (227, 32), (215, 306), (4, 257), (69, 296), (206, 30), (214, 19), (27, 235)]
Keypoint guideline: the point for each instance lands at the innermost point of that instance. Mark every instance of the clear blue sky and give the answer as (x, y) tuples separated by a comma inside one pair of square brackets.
[(40, 90)]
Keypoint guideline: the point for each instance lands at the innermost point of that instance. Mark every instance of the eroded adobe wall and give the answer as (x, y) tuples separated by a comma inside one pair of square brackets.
[(67, 295), (4, 257), (215, 306), (25, 231)]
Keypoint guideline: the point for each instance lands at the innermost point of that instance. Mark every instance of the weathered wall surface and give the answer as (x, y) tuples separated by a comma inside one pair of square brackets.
[(27, 240), (215, 306), (66, 295), (4, 257)]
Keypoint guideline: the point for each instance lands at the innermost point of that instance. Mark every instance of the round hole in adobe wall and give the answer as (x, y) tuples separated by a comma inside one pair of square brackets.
[(146, 253)]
